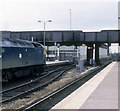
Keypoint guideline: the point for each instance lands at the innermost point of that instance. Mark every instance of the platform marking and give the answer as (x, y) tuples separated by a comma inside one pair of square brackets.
[(76, 99)]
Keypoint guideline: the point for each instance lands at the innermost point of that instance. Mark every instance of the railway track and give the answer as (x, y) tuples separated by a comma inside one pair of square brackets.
[(18, 81), (24, 89), (50, 100)]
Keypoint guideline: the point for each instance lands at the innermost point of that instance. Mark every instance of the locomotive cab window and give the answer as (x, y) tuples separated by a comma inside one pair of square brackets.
[(34, 45), (37, 45), (6, 43), (29, 45), (22, 44), (14, 44)]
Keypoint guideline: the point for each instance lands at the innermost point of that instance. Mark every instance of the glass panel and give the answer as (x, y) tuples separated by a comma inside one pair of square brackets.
[(29, 45)]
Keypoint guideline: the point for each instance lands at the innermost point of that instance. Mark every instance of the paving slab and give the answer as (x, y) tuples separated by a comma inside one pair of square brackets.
[(100, 92)]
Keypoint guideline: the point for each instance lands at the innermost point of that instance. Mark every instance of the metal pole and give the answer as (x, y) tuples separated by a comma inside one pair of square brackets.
[(70, 19)]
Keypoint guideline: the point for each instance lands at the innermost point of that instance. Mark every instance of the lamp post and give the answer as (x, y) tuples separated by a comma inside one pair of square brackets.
[(44, 29), (70, 19)]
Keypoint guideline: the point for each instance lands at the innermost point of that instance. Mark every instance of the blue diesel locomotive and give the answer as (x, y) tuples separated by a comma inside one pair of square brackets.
[(20, 58)]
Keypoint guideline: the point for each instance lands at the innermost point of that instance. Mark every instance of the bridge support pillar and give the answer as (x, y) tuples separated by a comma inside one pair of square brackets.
[(47, 53), (89, 54), (108, 52), (97, 60), (58, 51)]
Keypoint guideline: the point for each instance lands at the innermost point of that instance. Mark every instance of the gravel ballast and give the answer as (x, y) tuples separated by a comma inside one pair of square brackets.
[(66, 78)]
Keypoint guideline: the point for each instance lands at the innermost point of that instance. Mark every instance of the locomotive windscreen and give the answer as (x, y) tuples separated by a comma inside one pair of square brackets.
[(15, 43)]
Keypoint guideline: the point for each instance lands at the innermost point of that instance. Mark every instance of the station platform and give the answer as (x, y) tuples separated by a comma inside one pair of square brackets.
[(55, 62), (100, 92)]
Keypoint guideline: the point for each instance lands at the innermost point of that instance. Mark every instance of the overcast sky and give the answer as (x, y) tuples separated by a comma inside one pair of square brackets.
[(87, 15)]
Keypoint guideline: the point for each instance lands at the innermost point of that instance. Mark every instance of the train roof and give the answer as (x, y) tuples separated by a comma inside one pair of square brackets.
[(18, 43)]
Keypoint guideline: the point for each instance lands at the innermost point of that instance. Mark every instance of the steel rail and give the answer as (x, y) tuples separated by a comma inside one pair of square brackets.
[(66, 87), (21, 90)]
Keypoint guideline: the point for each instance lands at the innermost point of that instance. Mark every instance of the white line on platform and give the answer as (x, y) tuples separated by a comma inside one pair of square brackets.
[(76, 99)]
